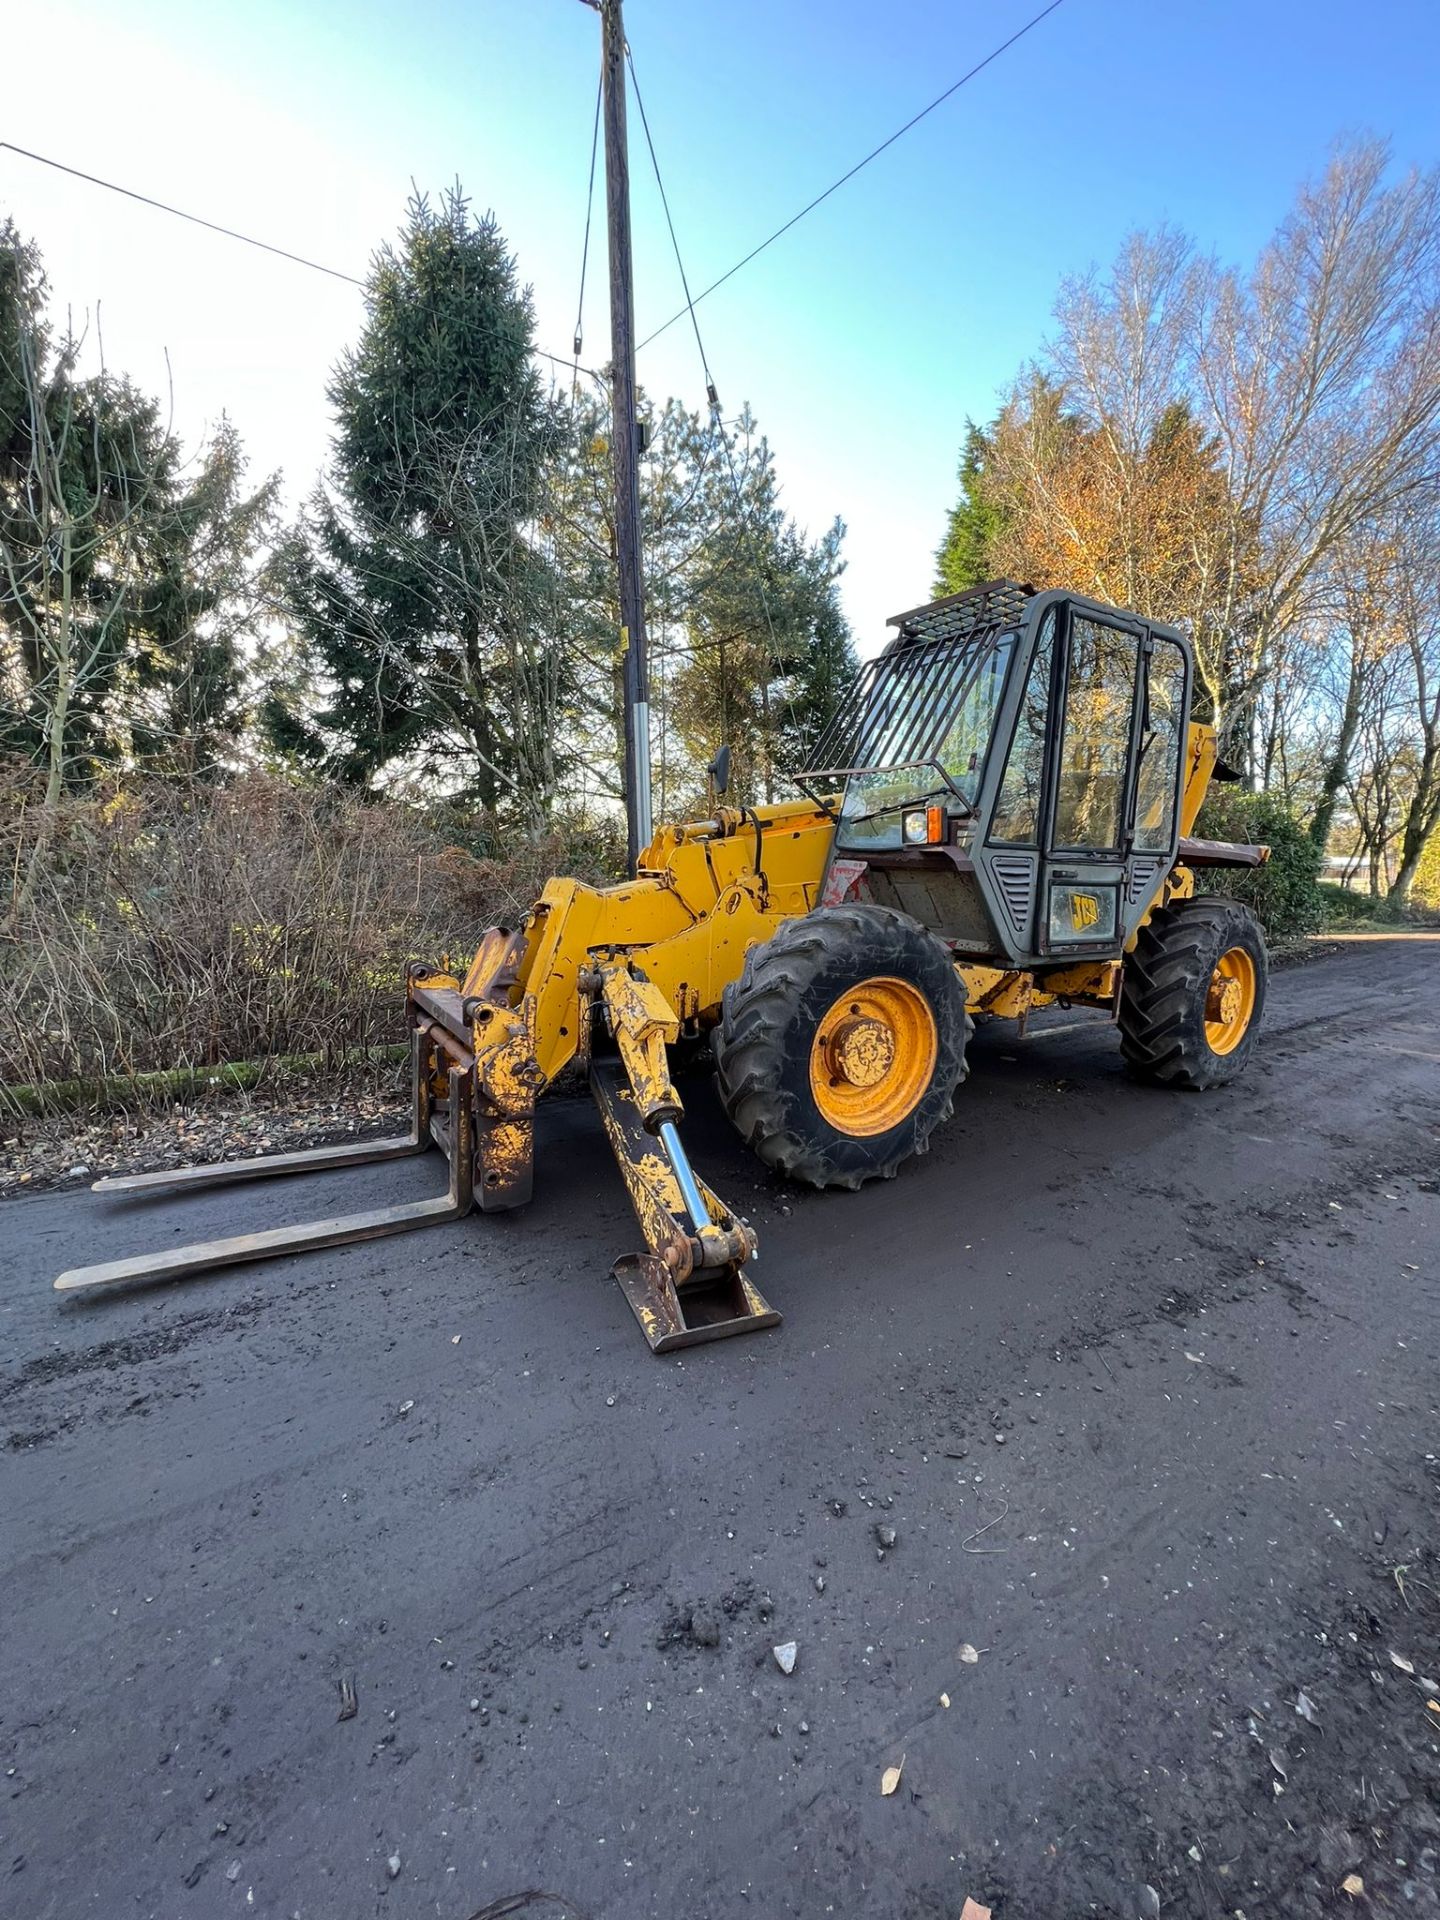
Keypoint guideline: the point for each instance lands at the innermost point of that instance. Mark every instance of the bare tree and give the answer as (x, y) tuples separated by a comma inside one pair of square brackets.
[(1319, 377), (1376, 775), (1370, 715), (1353, 626), (86, 465), (1418, 618)]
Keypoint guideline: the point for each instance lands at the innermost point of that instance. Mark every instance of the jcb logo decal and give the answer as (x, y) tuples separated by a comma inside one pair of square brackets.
[(1084, 909)]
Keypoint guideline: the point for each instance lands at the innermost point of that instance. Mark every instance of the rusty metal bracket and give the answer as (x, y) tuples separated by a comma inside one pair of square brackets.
[(644, 1025), (507, 1081)]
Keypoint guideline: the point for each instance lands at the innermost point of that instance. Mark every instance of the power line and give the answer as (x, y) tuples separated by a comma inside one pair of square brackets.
[(835, 185), (589, 211), (717, 425), (689, 306), (180, 214), (334, 273), (230, 233)]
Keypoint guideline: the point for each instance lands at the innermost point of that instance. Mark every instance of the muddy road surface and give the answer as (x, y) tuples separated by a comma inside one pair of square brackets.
[(1132, 1393)]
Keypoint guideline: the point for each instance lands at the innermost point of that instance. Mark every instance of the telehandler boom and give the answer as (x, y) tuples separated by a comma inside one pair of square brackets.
[(998, 818)]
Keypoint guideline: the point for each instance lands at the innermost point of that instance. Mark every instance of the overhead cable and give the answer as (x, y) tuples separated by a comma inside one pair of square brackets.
[(228, 233), (835, 185)]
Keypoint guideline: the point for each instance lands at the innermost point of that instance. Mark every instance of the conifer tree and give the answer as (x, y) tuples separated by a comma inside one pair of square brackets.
[(421, 600), (966, 556)]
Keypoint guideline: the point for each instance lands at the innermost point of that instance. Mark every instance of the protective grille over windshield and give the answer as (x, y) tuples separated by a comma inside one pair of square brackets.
[(903, 706)]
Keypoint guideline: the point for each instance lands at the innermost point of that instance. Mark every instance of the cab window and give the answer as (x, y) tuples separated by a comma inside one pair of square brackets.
[(1160, 745), (924, 729), (1095, 742), (1017, 807)]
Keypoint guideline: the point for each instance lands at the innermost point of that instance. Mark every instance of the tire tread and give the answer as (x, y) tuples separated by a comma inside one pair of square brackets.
[(758, 1012), (1163, 991)]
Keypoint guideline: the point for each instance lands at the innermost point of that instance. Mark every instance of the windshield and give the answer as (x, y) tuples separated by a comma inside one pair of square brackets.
[(927, 716)]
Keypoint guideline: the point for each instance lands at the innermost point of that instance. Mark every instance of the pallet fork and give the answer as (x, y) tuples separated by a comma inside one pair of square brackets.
[(474, 1080)]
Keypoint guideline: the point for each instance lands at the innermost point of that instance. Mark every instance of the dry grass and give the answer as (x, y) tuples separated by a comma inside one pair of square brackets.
[(182, 926)]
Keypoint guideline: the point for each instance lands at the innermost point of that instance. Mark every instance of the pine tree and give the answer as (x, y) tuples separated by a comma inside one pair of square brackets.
[(420, 596), (769, 648), (830, 663), (966, 556), (748, 644), (679, 504), (204, 601)]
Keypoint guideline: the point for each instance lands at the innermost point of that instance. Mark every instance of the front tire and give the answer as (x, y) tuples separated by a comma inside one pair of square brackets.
[(840, 1046), (1192, 994)]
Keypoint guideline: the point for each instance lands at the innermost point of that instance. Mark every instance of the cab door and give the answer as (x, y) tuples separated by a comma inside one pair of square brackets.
[(1085, 877)]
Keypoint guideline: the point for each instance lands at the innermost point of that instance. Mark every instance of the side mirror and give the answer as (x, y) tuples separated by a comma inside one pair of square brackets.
[(717, 773)]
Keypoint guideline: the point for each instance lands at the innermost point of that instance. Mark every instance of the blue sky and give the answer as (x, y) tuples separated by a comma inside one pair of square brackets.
[(863, 339)]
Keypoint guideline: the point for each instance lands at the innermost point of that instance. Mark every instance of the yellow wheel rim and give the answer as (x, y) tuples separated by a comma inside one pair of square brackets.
[(873, 1057), (1230, 1001)]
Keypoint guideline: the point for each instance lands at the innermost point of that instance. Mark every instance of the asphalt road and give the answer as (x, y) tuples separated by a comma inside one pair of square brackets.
[(1144, 1383)]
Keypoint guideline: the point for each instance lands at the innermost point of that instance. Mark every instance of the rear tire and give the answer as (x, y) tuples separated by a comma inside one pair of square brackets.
[(862, 986), (1192, 994)]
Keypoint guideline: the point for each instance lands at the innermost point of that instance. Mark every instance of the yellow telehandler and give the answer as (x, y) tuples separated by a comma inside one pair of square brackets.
[(999, 817)]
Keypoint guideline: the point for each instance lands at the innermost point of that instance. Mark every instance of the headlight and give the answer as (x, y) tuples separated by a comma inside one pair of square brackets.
[(916, 826)]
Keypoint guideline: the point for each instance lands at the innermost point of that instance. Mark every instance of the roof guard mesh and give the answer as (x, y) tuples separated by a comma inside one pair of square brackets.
[(911, 678)]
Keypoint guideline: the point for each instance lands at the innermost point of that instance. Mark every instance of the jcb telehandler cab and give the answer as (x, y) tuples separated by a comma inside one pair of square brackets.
[(998, 818)]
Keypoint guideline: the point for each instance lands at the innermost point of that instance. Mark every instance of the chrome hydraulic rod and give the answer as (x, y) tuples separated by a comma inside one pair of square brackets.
[(684, 1177)]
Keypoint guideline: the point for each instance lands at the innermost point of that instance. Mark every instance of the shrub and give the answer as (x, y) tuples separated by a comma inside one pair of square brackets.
[(1343, 908), (1285, 892), (1425, 892), (176, 925)]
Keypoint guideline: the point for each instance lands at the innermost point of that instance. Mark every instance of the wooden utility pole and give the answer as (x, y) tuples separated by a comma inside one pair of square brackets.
[(626, 437)]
